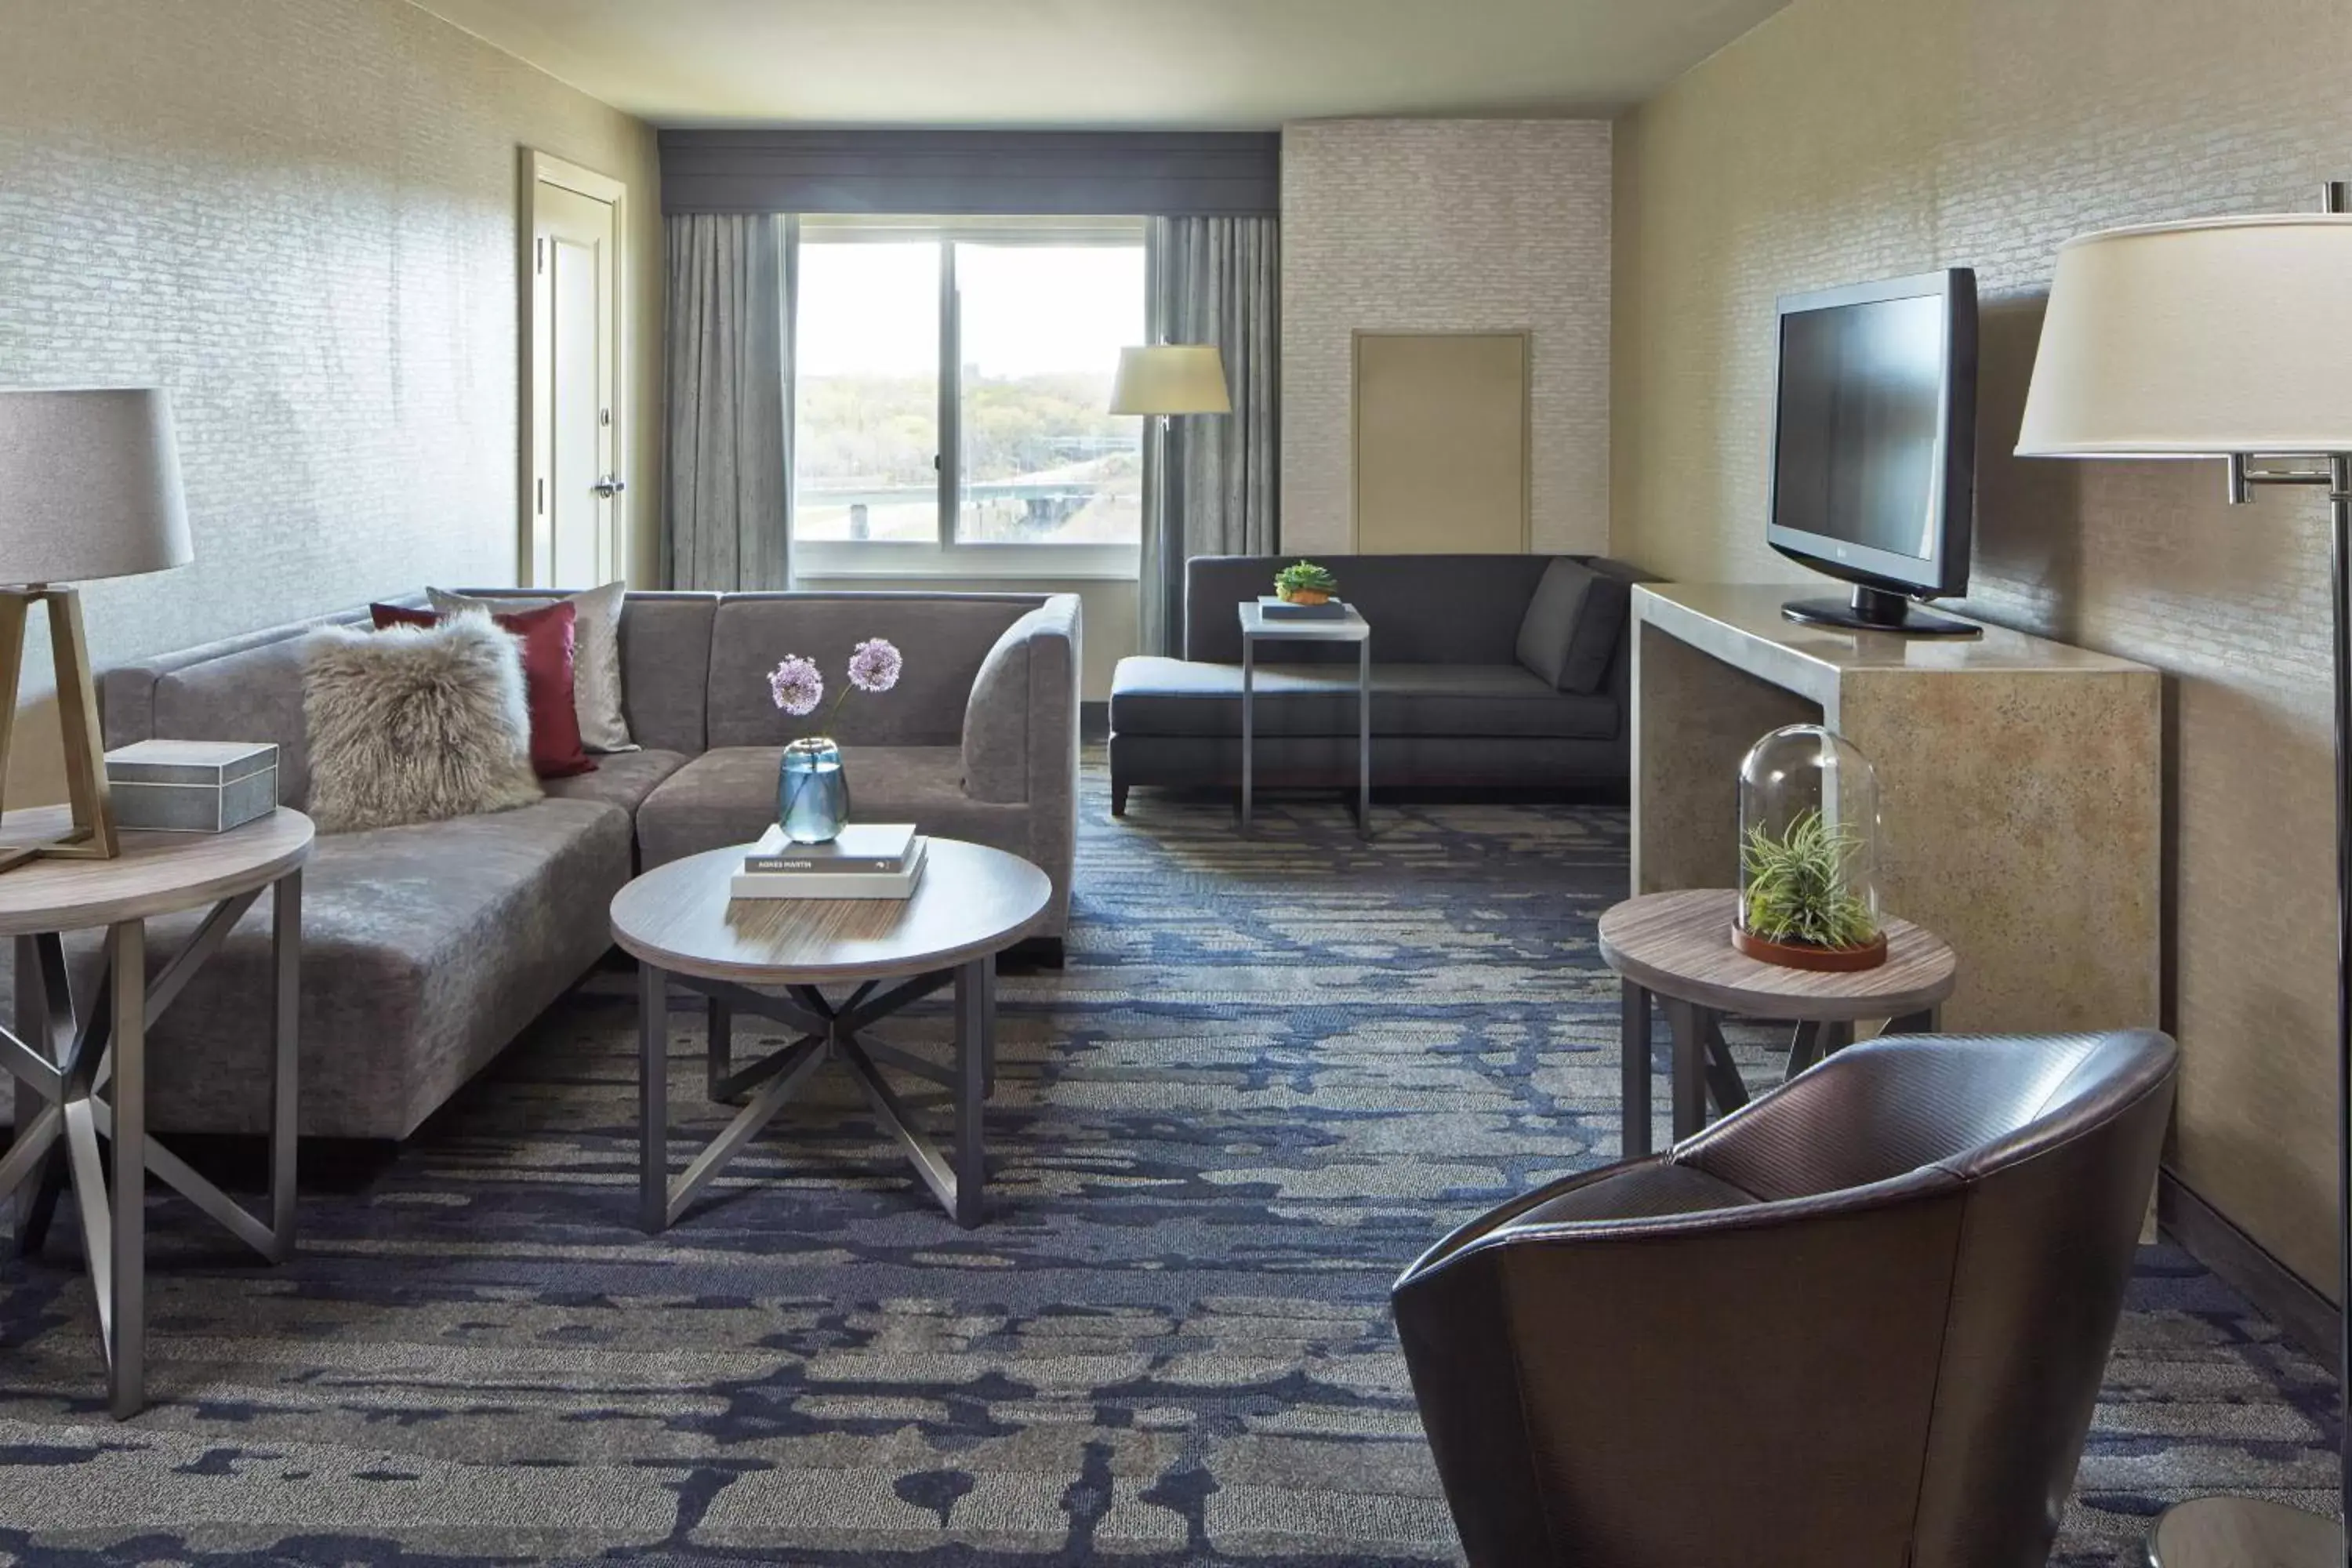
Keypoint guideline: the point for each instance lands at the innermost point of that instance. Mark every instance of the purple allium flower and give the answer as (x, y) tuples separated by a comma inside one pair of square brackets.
[(797, 685), (875, 665)]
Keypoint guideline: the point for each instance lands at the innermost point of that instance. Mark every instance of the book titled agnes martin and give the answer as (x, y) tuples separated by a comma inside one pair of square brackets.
[(867, 860)]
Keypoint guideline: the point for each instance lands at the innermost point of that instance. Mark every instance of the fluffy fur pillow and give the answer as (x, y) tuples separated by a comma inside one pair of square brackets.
[(415, 724)]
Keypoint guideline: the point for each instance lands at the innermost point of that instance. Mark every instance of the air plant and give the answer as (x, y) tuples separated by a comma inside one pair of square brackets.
[(1794, 889)]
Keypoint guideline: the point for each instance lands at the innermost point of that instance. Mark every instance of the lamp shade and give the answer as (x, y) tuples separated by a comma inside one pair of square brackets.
[(1170, 378), (90, 486), (2192, 339)]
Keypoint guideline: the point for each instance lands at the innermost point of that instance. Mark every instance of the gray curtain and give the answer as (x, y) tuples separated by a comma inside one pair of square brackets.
[(1212, 489), (729, 415)]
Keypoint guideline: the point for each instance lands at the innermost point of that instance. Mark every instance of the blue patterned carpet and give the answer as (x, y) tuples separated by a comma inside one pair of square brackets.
[(1271, 1073)]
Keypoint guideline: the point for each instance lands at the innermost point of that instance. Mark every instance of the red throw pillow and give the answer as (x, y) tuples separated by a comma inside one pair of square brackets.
[(547, 654)]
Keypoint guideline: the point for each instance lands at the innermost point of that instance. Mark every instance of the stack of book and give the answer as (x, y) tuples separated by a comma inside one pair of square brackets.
[(868, 860)]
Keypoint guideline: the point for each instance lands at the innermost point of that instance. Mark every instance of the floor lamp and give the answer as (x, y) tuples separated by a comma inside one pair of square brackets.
[(2228, 338), (1161, 382)]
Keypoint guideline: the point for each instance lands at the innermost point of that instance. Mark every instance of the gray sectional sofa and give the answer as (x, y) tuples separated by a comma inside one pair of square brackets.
[(426, 949), (1457, 702)]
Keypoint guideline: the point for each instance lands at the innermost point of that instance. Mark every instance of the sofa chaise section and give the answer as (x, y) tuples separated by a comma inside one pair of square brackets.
[(425, 949)]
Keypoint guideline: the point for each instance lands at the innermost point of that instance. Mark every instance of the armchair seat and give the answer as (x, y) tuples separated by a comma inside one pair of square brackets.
[(1862, 1320)]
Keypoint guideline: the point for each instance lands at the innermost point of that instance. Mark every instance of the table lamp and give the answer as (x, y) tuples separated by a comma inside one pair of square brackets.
[(2228, 338), (89, 488)]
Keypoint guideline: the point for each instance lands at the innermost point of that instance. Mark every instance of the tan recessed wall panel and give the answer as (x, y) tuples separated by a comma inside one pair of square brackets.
[(1854, 139), (1441, 435)]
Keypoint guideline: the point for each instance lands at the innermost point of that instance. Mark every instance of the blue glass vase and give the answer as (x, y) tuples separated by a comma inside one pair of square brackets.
[(812, 792)]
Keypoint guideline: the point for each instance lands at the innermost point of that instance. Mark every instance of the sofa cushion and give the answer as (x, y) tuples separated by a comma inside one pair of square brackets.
[(424, 949), (996, 718), (728, 796), (944, 640), (622, 778), (1153, 696), (665, 669), (1569, 635), (1423, 609), (252, 694)]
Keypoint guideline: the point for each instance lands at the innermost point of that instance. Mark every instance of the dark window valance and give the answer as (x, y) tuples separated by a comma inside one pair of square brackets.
[(955, 172)]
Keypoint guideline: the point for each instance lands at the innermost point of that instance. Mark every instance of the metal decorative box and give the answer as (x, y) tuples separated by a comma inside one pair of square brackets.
[(192, 786)]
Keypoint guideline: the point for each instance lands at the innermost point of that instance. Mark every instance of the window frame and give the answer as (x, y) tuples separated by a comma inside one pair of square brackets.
[(944, 554)]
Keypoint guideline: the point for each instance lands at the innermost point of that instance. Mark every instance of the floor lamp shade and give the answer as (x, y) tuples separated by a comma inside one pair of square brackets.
[(2193, 340), (1170, 378), (90, 486)]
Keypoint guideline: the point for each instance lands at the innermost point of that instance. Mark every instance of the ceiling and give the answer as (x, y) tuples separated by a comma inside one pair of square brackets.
[(1145, 64)]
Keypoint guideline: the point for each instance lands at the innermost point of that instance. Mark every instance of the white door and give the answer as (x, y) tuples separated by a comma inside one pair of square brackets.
[(577, 532)]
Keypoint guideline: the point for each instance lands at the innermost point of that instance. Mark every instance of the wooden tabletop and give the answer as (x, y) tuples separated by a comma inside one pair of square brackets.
[(156, 874), (971, 901), (1679, 944)]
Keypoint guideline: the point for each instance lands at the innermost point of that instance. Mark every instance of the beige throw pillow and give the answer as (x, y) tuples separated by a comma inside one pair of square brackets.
[(415, 723), (596, 695)]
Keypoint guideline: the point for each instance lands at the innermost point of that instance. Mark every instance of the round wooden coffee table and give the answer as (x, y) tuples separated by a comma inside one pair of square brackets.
[(82, 1074), (680, 924), (1677, 947)]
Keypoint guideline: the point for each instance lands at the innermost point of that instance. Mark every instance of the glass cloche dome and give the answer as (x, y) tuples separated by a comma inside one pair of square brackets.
[(1809, 852)]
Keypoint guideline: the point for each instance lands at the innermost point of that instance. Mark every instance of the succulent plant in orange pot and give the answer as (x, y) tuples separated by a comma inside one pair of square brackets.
[(1306, 583)]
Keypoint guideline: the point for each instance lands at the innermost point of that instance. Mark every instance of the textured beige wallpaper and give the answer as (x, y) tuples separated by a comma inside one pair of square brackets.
[(300, 216), (1447, 226), (1848, 139)]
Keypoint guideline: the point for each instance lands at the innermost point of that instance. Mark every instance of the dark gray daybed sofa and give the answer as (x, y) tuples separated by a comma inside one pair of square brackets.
[(1479, 680)]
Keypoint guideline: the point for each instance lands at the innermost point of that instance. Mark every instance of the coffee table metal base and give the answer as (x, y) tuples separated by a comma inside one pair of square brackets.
[(827, 1033)]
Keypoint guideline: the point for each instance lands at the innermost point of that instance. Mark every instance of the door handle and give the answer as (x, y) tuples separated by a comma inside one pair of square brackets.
[(609, 485)]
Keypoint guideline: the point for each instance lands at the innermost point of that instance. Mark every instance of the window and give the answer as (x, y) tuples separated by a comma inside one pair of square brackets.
[(951, 378)]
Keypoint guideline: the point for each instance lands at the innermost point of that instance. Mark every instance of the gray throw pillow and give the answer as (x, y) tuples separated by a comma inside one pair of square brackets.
[(1569, 634), (415, 723), (596, 694)]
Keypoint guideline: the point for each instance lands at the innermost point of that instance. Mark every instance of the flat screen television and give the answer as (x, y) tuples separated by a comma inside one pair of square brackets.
[(1875, 445)]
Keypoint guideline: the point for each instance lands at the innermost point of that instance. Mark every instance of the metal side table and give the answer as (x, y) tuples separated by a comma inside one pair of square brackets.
[(1350, 628), (80, 1064)]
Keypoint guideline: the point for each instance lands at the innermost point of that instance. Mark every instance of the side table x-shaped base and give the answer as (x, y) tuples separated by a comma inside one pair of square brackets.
[(81, 1076)]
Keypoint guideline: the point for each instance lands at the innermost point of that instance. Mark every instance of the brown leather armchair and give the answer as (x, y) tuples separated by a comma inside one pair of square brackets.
[(1858, 1323)]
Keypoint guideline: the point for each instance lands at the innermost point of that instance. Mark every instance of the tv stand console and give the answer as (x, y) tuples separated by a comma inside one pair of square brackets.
[(1869, 609), (2019, 783)]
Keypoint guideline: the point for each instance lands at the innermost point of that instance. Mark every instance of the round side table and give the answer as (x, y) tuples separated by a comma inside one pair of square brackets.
[(1677, 947), (82, 1071)]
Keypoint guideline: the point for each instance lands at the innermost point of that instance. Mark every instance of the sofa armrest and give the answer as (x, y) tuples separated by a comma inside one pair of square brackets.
[(1021, 723)]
